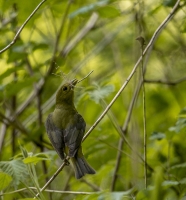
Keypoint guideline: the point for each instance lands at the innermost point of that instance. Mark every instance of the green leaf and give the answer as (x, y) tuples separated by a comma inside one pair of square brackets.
[(101, 93), (17, 52), (14, 87), (40, 46), (180, 125), (183, 181), (28, 199), (36, 158), (182, 165), (16, 169), (157, 136), (88, 8), (120, 195), (5, 180), (169, 3), (183, 27), (170, 183), (9, 72), (108, 12)]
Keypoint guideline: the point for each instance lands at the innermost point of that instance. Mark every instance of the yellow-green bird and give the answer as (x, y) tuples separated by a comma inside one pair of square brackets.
[(66, 127)]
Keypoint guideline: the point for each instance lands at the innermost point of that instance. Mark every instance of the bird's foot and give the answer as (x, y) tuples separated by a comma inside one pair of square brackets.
[(66, 162)]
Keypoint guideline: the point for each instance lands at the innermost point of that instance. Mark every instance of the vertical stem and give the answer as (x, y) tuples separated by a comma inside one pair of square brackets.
[(144, 117), (119, 156), (13, 108)]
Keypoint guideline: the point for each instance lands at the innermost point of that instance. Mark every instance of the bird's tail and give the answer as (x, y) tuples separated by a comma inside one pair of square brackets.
[(81, 167)]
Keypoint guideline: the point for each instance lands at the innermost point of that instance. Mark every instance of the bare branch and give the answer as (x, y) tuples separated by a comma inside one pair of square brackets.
[(53, 177), (21, 28), (119, 155), (142, 43), (3, 129), (62, 24), (93, 186), (85, 76)]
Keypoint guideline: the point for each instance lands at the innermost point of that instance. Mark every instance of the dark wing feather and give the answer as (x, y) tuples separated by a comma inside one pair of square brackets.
[(56, 136), (73, 134)]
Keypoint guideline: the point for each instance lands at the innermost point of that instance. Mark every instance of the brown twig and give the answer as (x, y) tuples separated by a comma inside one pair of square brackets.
[(3, 129), (21, 28), (118, 159), (62, 25), (93, 186), (85, 76), (142, 43), (53, 177)]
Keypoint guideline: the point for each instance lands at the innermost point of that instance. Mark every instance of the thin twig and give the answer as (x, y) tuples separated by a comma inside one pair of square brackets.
[(51, 191), (173, 83), (124, 129), (3, 129), (93, 186), (62, 25), (142, 43), (144, 120), (53, 177), (119, 156), (21, 28), (85, 76)]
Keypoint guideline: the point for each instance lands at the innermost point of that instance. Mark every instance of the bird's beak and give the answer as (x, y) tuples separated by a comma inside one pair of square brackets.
[(74, 82)]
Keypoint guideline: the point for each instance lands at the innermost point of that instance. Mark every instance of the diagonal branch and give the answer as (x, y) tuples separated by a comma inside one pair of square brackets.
[(21, 28)]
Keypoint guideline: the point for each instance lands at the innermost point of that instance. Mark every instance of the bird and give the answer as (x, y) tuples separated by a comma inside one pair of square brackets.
[(65, 128)]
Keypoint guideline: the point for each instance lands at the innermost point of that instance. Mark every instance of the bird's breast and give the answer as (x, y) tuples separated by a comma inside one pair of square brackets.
[(62, 118)]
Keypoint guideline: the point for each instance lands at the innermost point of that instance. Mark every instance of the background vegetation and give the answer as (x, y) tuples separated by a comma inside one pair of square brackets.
[(67, 39)]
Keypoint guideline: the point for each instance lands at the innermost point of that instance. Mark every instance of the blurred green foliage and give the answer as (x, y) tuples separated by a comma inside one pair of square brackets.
[(34, 67)]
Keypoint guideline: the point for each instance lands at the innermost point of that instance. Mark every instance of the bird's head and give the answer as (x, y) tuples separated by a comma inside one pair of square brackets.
[(65, 94)]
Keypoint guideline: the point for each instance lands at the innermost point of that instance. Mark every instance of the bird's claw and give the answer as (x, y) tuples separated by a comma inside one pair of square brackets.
[(66, 162)]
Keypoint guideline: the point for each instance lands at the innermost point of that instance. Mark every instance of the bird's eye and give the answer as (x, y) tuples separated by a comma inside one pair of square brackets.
[(65, 88)]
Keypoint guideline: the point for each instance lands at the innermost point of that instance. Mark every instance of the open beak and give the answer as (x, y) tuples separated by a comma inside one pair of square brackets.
[(74, 82)]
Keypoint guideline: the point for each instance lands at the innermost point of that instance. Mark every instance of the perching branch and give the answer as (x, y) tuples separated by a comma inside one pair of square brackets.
[(21, 28), (53, 177)]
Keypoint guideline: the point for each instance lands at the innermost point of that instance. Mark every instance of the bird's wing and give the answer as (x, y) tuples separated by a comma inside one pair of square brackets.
[(56, 136), (73, 134)]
